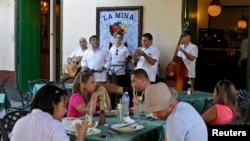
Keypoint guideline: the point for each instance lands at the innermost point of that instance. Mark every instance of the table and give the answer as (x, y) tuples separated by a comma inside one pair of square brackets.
[(154, 130), (36, 87), (197, 99)]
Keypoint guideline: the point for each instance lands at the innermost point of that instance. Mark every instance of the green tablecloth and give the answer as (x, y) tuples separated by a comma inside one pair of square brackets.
[(197, 99), (153, 131)]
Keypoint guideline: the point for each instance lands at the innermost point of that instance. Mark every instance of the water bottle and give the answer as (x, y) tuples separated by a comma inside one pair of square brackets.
[(125, 103)]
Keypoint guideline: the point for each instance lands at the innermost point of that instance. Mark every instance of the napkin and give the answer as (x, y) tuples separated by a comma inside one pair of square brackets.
[(128, 119)]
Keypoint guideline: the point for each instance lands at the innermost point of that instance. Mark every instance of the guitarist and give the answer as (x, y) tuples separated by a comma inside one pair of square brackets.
[(77, 53), (189, 53)]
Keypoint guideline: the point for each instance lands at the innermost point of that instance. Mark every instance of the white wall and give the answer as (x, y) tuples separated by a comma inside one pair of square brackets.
[(7, 35), (162, 18)]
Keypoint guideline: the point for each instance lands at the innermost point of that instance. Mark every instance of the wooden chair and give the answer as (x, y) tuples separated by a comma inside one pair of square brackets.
[(18, 100), (8, 121)]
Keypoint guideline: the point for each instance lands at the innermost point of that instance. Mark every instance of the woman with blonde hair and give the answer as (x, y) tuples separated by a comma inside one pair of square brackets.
[(225, 109), (86, 94)]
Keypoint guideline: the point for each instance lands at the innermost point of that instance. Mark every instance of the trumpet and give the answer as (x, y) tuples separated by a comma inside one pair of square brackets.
[(135, 57)]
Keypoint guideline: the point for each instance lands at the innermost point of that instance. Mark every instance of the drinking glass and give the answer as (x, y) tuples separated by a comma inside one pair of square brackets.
[(137, 111), (119, 113)]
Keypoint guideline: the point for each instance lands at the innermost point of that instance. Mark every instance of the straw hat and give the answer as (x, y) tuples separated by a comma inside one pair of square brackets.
[(157, 97)]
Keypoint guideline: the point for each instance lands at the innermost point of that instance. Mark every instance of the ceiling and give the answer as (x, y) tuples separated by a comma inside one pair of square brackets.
[(230, 2)]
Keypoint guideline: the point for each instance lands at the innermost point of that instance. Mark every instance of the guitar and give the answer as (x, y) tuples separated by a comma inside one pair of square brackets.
[(78, 66)]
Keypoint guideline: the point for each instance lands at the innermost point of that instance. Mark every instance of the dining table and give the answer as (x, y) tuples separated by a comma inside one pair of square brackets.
[(36, 87), (197, 99), (154, 130)]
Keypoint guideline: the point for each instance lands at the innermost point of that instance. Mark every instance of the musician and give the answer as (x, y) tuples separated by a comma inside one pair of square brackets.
[(189, 53), (147, 57), (77, 52), (97, 59), (119, 54)]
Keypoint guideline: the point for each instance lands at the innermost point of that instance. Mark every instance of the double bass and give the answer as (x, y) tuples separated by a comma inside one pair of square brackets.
[(176, 71)]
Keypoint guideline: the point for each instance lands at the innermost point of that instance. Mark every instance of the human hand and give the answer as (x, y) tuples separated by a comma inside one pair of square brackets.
[(81, 129), (139, 52)]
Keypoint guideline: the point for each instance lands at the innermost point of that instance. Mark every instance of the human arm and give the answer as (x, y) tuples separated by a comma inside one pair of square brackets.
[(81, 129), (149, 58), (210, 115), (192, 55)]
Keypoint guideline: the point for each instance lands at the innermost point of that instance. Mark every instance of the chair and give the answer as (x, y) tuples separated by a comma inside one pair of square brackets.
[(69, 79), (8, 121), (18, 100), (61, 85), (32, 83), (4, 80), (209, 102), (243, 98)]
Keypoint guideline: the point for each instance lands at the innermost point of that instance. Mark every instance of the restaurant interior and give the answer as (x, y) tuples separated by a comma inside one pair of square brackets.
[(218, 57)]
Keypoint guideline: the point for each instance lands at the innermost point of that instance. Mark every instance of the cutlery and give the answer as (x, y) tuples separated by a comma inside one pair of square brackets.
[(126, 125)]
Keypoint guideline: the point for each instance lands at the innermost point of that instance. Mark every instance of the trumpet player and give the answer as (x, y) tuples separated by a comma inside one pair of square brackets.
[(147, 57)]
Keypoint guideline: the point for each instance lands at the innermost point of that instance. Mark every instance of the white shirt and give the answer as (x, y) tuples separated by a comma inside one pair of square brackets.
[(118, 56), (38, 126), (77, 52), (142, 63), (243, 49), (192, 49), (95, 60), (185, 124)]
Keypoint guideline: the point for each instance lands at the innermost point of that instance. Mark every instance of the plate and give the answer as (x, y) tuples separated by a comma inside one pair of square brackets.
[(67, 124), (150, 115), (109, 113), (118, 127), (93, 131)]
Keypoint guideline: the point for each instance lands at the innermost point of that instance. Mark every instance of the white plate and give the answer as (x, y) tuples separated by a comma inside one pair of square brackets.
[(67, 124), (150, 115), (93, 131), (109, 113), (90, 131), (129, 128)]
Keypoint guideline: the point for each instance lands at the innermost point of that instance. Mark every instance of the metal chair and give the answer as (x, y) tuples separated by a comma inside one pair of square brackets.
[(61, 85), (69, 79), (32, 83), (18, 100), (243, 98), (8, 121), (4, 80)]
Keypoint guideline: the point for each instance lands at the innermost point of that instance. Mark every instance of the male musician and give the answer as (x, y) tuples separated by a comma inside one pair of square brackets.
[(79, 52), (189, 53), (147, 57), (97, 59)]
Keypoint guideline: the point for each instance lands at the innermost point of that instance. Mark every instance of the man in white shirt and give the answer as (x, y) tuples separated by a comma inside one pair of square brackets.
[(147, 57), (189, 53), (97, 59), (76, 55), (243, 61)]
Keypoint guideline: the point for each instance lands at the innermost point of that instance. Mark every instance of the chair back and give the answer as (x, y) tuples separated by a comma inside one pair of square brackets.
[(60, 85), (8, 121), (18, 100), (32, 83), (209, 102), (243, 100), (69, 79), (4, 81)]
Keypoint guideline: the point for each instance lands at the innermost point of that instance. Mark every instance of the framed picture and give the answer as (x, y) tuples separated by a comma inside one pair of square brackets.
[(126, 20)]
